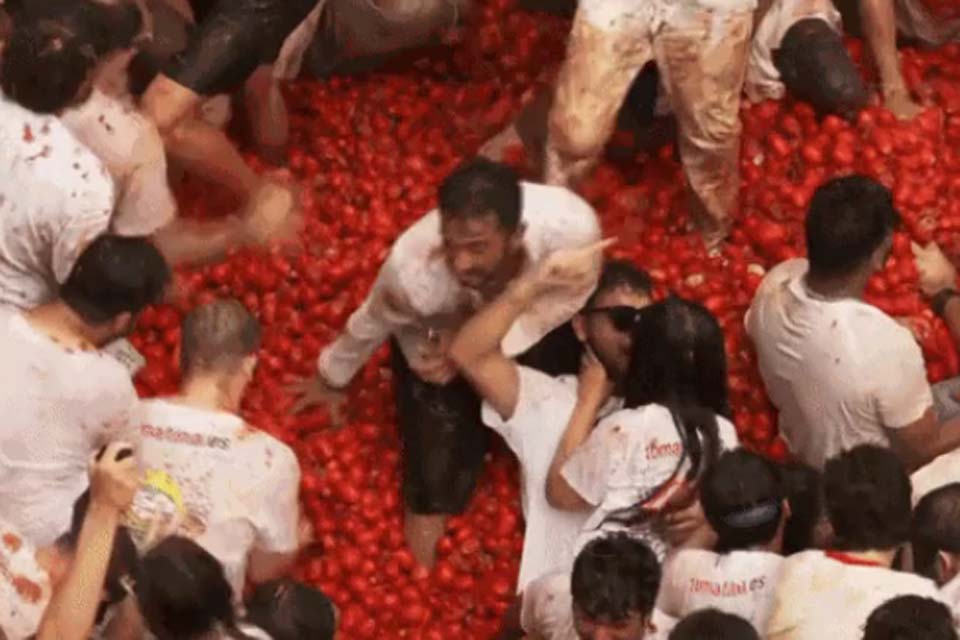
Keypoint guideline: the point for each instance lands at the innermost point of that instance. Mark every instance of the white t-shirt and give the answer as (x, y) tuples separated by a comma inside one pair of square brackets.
[(950, 592), (741, 583), (415, 290), (544, 406), (24, 586), (132, 150), (819, 597), (839, 371), (60, 407), (55, 197), (629, 455), (938, 473), (547, 611), (763, 78), (212, 478)]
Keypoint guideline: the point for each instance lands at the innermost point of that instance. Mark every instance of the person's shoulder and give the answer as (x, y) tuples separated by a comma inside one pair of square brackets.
[(542, 196), (786, 271), (264, 453), (559, 212), (418, 242)]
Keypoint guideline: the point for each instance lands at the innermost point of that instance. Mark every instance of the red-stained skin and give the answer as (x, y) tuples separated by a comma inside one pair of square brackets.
[(368, 154)]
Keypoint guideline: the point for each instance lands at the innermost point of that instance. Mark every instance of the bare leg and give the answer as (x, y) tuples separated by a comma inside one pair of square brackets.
[(594, 80), (422, 533), (267, 114), (880, 31)]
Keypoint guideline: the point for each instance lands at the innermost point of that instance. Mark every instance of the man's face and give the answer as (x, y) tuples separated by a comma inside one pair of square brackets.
[(612, 344), (475, 248), (633, 627)]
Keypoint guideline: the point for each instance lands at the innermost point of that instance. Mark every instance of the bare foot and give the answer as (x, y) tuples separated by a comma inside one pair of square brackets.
[(902, 105)]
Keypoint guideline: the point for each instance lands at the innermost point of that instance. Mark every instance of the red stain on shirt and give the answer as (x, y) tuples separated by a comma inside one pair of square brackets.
[(27, 589), (27, 133), (12, 542)]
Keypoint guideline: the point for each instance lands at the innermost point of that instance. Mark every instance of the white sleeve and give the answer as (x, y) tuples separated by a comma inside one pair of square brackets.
[(88, 212), (727, 434), (672, 586), (278, 518), (146, 203), (121, 422), (902, 392), (539, 397), (588, 470)]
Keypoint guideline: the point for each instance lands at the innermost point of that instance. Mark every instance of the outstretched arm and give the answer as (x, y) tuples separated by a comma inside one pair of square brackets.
[(880, 31)]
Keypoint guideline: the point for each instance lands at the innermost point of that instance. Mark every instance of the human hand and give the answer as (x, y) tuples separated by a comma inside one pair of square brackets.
[(936, 271), (314, 391), (594, 384), (570, 268), (273, 215), (902, 105), (114, 477)]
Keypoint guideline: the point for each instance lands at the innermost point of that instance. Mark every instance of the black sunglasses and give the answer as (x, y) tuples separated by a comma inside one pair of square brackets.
[(623, 318)]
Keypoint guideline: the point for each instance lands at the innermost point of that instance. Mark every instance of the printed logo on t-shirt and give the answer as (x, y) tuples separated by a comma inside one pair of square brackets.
[(179, 436), (727, 588), (655, 450)]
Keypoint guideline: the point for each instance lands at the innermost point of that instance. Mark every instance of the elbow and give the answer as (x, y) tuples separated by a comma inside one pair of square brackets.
[(460, 354), (560, 496)]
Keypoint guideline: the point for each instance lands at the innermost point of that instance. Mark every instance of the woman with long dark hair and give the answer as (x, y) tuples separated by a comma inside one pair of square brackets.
[(644, 461)]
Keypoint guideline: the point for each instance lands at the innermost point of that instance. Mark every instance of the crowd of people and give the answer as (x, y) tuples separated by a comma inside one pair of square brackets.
[(176, 519)]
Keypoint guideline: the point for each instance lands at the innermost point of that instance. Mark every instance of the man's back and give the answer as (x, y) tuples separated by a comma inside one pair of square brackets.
[(212, 478), (55, 196), (59, 407), (840, 371)]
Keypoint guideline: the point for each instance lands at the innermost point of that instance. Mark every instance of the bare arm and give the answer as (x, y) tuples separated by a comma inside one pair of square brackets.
[(265, 567), (197, 243), (880, 32), (920, 442)]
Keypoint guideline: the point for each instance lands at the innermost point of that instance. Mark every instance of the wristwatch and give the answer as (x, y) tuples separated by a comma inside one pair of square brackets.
[(939, 301)]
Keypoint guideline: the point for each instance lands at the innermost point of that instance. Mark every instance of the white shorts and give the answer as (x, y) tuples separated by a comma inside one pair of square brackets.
[(915, 20)]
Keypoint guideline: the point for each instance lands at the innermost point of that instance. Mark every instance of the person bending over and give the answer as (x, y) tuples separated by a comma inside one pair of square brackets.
[(489, 229), (63, 396), (711, 624), (935, 538), (240, 498), (911, 618)]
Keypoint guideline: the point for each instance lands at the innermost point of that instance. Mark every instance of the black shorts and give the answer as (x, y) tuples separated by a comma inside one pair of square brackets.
[(444, 439), (235, 38)]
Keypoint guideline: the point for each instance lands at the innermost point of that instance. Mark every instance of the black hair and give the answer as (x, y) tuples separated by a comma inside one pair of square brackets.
[(124, 559), (868, 498), (711, 624), (742, 499), (935, 528), (803, 488), (115, 275), (182, 592), (678, 361), (481, 187), (288, 610), (620, 273), (614, 577), (911, 618), (848, 219)]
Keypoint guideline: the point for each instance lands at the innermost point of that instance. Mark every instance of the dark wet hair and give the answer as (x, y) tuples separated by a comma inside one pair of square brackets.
[(911, 618), (803, 487), (115, 275), (620, 273), (742, 499), (614, 577), (935, 528), (848, 219), (289, 610), (711, 624), (480, 187), (868, 496), (183, 593)]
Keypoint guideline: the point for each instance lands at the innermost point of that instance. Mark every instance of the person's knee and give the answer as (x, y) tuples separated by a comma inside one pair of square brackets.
[(575, 137)]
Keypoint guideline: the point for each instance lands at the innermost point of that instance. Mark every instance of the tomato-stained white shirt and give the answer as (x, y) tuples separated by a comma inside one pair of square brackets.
[(212, 478), (741, 583), (60, 406), (24, 586), (544, 406), (820, 597), (415, 292), (841, 372), (627, 458), (55, 197), (130, 146)]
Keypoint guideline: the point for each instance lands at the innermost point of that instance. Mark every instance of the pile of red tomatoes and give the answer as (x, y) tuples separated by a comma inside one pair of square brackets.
[(368, 153)]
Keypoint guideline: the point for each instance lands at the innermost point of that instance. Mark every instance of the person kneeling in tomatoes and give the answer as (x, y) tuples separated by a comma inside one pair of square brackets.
[(488, 229)]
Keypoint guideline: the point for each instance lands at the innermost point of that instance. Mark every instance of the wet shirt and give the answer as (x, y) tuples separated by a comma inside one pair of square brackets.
[(212, 478)]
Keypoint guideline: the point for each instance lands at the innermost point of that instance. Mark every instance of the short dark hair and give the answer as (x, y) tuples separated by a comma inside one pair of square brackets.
[(115, 275), (742, 500), (222, 331), (868, 497), (621, 273), (848, 219), (935, 528), (803, 487), (289, 610), (615, 577), (182, 591), (911, 618), (481, 187), (124, 559), (711, 624)]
